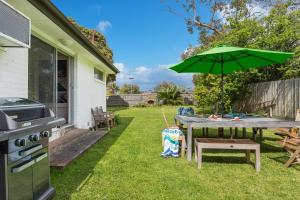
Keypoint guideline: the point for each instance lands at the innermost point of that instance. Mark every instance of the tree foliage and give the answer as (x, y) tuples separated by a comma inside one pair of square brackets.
[(112, 88), (277, 30), (130, 89), (168, 93), (96, 38)]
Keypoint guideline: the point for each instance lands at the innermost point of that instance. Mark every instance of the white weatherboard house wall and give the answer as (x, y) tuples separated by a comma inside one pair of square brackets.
[(90, 92), (84, 91), (13, 72)]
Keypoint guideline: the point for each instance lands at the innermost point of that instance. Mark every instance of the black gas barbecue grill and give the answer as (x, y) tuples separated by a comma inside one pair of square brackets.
[(25, 128)]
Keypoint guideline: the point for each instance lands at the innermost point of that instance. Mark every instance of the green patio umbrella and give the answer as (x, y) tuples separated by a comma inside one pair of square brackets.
[(226, 60)]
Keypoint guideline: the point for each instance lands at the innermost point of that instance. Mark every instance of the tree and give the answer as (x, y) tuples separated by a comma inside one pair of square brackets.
[(112, 88), (130, 89), (279, 31), (96, 38), (168, 93), (192, 13)]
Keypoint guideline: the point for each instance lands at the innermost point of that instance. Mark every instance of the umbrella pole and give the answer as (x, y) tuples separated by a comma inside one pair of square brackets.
[(222, 86)]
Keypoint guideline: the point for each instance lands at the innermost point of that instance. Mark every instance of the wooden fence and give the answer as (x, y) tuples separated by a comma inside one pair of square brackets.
[(282, 98), (131, 99), (144, 98)]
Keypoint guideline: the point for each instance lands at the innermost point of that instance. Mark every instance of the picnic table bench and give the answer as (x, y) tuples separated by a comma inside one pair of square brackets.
[(234, 144), (192, 122)]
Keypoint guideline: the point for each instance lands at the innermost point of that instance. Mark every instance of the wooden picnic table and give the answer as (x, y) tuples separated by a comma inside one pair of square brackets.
[(248, 122)]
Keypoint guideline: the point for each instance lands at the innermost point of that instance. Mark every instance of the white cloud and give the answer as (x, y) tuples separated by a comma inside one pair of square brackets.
[(147, 78), (142, 71), (257, 9), (120, 66), (103, 26)]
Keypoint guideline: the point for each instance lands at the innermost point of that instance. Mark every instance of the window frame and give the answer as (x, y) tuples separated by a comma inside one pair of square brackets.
[(99, 73)]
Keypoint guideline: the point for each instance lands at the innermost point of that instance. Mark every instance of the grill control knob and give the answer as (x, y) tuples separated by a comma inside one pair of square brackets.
[(34, 138), (45, 134), (20, 142)]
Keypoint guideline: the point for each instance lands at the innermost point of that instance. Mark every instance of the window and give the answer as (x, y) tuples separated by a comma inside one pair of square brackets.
[(98, 74), (41, 73)]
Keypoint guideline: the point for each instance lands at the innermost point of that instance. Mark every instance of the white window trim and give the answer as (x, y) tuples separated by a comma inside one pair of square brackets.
[(99, 81), (104, 75)]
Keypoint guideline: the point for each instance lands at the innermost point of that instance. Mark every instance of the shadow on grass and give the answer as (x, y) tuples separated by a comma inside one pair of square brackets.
[(265, 147), (117, 108), (73, 177), (225, 159), (284, 159)]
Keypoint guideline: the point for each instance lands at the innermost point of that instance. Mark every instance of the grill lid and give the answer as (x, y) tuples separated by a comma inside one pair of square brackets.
[(19, 113), (16, 102)]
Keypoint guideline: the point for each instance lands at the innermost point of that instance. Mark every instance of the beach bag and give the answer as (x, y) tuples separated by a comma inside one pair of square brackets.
[(171, 142), (170, 137)]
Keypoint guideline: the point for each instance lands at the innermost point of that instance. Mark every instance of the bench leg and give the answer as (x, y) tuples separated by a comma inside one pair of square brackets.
[(235, 132), (196, 151), (199, 155), (257, 158), (231, 132), (261, 133), (244, 132), (248, 155), (254, 132), (221, 132), (108, 124), (183, 146)]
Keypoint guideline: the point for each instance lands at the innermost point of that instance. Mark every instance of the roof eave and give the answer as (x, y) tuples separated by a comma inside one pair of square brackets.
[(55, 15)]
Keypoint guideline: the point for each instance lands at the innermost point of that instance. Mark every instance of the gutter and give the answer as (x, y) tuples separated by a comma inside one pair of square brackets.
[(55, 15)]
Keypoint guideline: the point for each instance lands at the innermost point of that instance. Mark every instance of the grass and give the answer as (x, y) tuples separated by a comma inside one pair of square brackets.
[(126, 164)]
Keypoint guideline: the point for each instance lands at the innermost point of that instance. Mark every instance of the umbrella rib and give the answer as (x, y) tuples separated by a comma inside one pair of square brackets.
[(265, 59), (213, 65), (235, 60), (191, 64)]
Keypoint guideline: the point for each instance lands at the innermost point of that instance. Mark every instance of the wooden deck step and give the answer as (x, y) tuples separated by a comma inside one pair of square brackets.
[(67, 148)]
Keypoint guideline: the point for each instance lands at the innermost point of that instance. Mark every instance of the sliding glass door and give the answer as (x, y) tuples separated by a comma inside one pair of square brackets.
[(42, 73)]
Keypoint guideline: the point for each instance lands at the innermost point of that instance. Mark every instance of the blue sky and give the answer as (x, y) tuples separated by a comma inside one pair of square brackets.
[(144, 36)]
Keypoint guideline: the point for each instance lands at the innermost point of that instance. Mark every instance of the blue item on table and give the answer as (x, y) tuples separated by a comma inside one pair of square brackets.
[(186, 111)]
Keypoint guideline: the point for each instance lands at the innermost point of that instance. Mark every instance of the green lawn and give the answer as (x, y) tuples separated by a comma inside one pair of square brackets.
[(126, 164)]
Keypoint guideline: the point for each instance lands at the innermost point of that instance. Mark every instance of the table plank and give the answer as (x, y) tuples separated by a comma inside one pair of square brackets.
[(257, 122)]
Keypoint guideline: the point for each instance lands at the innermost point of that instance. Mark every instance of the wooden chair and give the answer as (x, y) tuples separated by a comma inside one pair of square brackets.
[(285, 132), (291, 143), (100, 119), (108, 115), (181, 138)]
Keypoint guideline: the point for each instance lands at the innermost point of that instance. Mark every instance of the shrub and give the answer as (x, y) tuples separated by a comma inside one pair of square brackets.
[(169, 94)]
